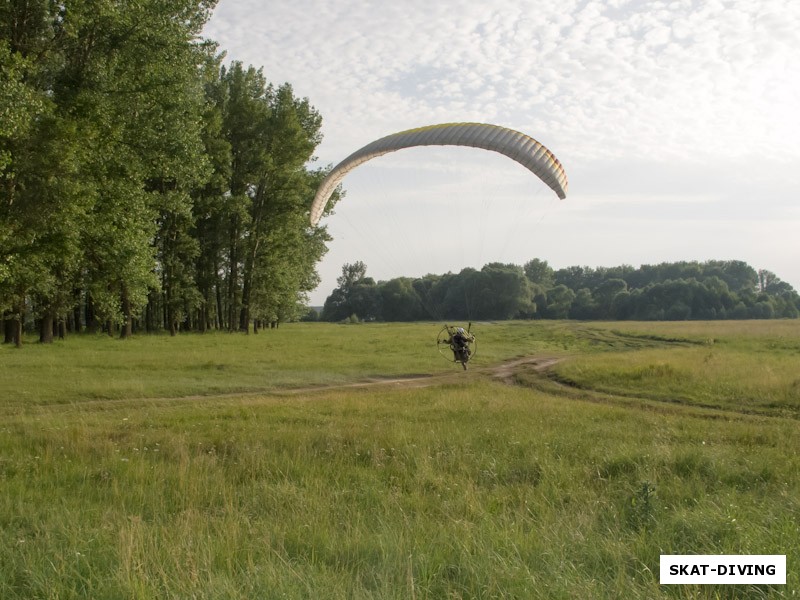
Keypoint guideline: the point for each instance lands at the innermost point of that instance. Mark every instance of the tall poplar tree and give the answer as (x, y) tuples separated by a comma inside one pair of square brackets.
[(41, 206), (271, 251), (136, 173), (210, 218), (102, 140)]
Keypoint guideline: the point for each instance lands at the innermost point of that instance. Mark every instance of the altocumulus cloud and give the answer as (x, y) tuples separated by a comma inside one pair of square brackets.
[(643, 101)]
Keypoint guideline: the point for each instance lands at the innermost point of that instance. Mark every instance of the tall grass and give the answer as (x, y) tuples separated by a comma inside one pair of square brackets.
[(466, 489)]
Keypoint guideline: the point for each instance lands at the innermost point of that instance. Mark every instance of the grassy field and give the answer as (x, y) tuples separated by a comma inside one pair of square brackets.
[(230, 466)]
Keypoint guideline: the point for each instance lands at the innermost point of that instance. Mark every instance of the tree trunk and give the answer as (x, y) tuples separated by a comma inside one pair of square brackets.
[(220, 314), (8, 328), (247, 286), (19, 318), (233, 278), (18, 332), (202, 318), (46, 329), (244, 319), (62, 329), (126, 330), (91, 318), (76, 312), (151, 322), (169, 312)]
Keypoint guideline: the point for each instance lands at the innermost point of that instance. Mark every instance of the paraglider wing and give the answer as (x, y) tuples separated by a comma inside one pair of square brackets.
[(517, 146)]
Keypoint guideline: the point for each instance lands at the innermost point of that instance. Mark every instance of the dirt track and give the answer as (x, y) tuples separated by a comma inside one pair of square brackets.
[(504, 372)]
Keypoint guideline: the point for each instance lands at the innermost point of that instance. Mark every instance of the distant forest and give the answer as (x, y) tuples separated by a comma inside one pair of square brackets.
[(676, 291)]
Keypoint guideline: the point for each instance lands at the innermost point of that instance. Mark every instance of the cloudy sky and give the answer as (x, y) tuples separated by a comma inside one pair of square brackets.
[(678, 124)]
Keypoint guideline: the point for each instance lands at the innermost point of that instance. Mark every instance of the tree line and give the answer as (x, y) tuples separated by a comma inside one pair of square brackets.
[(143, 183), (668, 291)]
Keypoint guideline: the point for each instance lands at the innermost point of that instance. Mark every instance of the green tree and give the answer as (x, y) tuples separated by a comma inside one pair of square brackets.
[(604, 295), (210, 202), (278, 235), (505, 293), (738, 275), (113, 90), (539, 272), (41, 206), (400, 301), (271, 251), (559, 302), (141, 97), (583, 306), (245, 111), (354, 291)]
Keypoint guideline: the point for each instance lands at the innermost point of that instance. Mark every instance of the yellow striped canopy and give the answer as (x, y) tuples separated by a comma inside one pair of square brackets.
[(517, 146)]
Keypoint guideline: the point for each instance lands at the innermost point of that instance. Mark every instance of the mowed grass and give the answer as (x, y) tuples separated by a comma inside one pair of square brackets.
[(470, 488), (742, 366), (96, 367), (85, 368)]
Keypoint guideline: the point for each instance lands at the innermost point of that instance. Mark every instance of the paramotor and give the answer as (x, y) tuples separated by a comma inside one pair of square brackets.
[(456, 344)]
